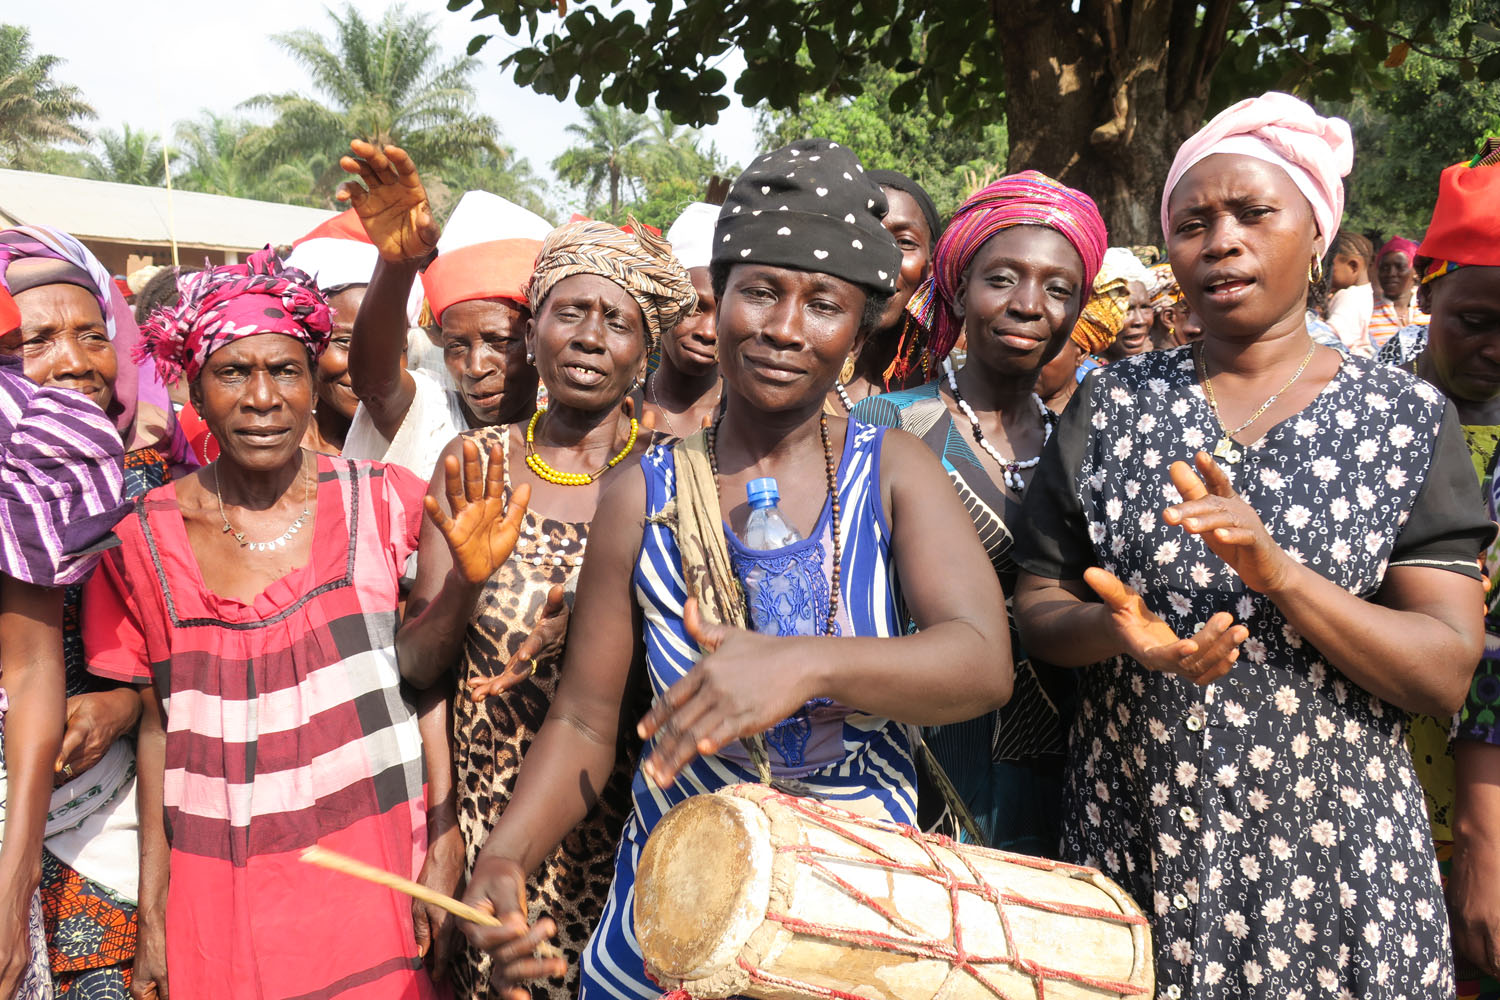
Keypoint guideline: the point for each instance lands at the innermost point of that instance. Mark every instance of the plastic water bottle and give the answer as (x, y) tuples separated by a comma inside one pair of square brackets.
[(779, 591)]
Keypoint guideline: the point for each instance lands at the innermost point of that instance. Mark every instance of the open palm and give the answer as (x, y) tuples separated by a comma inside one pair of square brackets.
[(392, 203), (483, 529)]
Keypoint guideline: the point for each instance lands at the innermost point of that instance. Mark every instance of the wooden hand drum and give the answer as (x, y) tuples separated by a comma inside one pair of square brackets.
[(751, 891)]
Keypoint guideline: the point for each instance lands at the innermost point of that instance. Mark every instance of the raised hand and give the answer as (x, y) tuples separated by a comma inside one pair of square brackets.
[(1228, 525), (391, 203), (1202, 659), (483, 529), (498, 886), (545, 639), (744, 684)]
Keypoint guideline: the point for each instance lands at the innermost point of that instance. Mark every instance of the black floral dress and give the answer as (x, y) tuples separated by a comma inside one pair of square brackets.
[(1270, 823)]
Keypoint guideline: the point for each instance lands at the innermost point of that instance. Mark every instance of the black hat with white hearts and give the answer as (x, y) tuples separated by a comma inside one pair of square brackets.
[(809, 206)]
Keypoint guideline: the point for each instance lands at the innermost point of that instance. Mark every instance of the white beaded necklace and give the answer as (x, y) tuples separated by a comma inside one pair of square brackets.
[(1011, 467)]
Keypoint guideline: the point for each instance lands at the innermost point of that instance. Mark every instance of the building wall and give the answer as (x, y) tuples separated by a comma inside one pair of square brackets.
[(115, 256)]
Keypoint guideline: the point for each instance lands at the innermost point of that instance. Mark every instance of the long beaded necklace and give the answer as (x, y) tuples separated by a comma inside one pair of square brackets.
[(545, 472), (1225, 449), (656, 401), (844, 397), (1012, 468), (833, 503), (292, 529)]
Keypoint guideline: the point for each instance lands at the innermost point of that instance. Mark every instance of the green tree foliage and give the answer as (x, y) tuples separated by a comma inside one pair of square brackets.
[(608, 153), (36, 111), (948, 161), (649, 167), (383, 82), (1404, 135), (1096, 92), (224, 154), (129, 156)]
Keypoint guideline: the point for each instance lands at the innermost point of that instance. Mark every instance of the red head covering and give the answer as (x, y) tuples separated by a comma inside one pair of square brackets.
[(10, 316), (1025, 199), (498, 269), (344, 226), (1465, 227), (1401, 245)]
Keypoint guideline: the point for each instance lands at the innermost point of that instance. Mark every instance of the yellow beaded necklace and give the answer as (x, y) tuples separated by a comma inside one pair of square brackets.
[(547, 473)]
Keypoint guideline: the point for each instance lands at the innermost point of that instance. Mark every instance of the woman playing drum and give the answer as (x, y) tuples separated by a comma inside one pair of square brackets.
[(795, 287)]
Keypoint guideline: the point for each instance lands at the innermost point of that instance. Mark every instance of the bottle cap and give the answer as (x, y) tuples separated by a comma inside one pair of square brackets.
[(762, 493)]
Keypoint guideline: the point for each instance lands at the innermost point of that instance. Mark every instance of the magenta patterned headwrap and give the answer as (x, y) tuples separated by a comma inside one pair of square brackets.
[(1401, 245), (223, 304), (1029, 198)]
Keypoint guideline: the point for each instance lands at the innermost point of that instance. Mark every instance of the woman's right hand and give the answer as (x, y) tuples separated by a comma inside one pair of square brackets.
[(498, 886), (1148, 640), (392, 203), (149, 979), (95, 720)]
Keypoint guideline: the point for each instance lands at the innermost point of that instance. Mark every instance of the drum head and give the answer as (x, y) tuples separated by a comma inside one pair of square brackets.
[(702, 886)]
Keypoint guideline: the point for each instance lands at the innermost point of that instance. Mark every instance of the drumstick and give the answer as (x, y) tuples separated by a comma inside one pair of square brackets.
[(334, 861)]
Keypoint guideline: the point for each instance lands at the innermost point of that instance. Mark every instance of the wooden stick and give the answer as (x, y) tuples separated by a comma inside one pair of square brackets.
[(334, 861)]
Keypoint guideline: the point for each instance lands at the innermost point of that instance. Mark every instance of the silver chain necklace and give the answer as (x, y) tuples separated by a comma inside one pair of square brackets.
[(1012, 468), (286, 536)]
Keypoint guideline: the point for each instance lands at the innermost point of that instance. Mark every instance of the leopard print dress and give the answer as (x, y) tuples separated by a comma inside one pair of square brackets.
[(491, 740)]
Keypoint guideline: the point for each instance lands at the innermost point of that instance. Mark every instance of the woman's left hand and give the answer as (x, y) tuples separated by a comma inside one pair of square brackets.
[(744, 684), (1228, 525), (436, 928), (544, 640), (483, 530), (95, 721)]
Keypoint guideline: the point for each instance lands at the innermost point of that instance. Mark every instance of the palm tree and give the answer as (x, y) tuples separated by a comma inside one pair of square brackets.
[(503, 173), (129, 156), (611, 148), (35, 110), (225, 155), (383, 82)]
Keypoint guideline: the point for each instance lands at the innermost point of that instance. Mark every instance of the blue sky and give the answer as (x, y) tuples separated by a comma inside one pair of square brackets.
[(154, 62)]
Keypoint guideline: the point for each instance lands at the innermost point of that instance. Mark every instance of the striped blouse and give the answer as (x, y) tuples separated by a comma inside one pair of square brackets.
[(875, 772)]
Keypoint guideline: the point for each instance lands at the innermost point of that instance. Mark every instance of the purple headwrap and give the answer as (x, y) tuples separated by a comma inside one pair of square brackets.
[(141, 410), (1401, 245), (1029, 198), (60, 480), (223, 304)]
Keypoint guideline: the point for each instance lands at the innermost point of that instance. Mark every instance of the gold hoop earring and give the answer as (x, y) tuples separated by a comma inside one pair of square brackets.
[(846, 373), (1315, 271)]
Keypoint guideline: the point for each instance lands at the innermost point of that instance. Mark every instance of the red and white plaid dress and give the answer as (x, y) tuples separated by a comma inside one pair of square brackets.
[(286, 727)]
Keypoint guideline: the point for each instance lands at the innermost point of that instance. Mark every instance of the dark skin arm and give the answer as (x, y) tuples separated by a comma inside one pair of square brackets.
[(443, 868), (150, 976), (469, 533), (1473, 898), (746, 682), (392, 205), (1413, 645), (32, 668)]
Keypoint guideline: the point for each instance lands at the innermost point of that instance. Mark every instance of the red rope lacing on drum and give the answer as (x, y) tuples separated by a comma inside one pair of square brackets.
[(914, 944)]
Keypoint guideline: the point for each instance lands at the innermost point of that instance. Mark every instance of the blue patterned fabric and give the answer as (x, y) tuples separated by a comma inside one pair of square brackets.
[(873, 763)]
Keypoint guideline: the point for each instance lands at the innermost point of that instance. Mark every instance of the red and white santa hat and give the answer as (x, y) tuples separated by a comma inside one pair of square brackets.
[(486, 252), (338, 254)]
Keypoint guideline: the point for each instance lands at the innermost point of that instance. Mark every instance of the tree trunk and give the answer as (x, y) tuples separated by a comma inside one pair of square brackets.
[(614, 191), (1101, 99)]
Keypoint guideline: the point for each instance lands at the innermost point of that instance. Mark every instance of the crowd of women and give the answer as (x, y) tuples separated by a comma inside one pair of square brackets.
[(1138, 559)]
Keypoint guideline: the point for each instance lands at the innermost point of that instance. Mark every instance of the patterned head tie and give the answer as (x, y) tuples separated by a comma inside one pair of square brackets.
[(1029, 198), (223, 304), (810, 206), (1465, 228), (639, 262)]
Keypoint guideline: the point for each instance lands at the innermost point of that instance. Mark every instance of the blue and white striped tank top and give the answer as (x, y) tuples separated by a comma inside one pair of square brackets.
[(876, 773)]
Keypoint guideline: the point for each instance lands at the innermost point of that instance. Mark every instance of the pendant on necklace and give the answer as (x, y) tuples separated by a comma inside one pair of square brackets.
[(1226, 450)]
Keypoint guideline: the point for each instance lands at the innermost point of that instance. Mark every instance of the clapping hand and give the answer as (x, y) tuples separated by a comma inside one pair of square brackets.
[(1202, 659), (1229, 526), (545, 639), (392, 204), (483, 529)]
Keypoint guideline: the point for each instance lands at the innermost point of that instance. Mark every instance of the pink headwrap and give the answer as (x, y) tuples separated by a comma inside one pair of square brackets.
[(223, 304), (1401, 245), (1315, 152), (1029, 198)]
